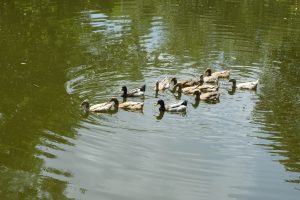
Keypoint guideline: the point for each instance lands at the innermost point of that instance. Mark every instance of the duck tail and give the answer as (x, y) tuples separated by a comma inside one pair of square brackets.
[(143, 88), (184, 103)]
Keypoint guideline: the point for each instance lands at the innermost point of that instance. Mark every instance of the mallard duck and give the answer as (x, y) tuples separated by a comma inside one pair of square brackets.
[(137, 92), (162, 85), (185, 83), (248, 85), (128, 105), (174, 107), (102, 107), (209, 79), (220, 74), (209, 96)]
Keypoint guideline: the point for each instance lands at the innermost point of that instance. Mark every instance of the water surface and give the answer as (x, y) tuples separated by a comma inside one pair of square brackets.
[(55, 54)]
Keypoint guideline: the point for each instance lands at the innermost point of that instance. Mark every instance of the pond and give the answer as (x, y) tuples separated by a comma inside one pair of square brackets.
[(55, 54)]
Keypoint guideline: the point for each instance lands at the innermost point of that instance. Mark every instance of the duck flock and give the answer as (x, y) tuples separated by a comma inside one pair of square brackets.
[(205, 88)]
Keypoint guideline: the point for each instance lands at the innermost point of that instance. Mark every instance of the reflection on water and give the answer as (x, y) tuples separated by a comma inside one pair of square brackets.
[(245, 147)]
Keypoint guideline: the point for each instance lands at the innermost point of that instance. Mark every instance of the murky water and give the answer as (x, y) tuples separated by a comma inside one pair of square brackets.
[(54, 54)]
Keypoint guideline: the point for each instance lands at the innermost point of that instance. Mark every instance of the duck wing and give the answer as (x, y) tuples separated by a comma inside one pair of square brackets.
[(190, 90), (178, 104), (210, 96), (208, 88)]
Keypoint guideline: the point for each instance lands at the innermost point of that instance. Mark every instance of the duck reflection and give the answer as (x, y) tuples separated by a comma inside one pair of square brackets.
[(161, 115), (196, 104), (156, 94), (232, 91)]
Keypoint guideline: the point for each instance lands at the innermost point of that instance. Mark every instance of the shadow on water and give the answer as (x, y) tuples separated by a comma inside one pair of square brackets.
[(38, 117), (278, 108)]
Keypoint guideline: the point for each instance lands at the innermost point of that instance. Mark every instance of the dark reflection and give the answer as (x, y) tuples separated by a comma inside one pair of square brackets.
[(231, 91), (156, 94), (196, 103), (35, 52), (161, 115), (278, 108), (124, 99), (177, 95)]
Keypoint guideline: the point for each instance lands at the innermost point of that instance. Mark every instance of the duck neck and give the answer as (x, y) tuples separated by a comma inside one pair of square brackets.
[(209, 73), (162, 107), (174, 80), (157, 86), (233, 83), (116, 102), (179, 88), (124, 92)]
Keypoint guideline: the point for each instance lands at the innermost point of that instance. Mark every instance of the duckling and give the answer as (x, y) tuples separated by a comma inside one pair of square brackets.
[(220, 74), (174, 107), (162, 85), (99, 108), (247, 85), (137, 92), (185, 83), (209, 79), (209, 96), (128, 105)]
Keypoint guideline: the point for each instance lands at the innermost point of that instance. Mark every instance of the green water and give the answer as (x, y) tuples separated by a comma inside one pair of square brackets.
[(54, 54)]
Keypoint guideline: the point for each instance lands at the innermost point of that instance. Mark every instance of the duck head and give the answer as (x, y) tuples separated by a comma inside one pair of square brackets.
[(115, 100), (162, 105), (86, 105), (207, 72), (174, 80), (124, 89), (197, 93), (201, 77)]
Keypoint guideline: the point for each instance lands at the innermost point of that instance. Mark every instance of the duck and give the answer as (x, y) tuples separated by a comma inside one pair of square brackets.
[(247, 85), (209, 96), (219, 74), (128, 105), (98, 108), (137, 92), (174, 107), (209, 79), (162, 85), (201, 87), (185, 83)]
